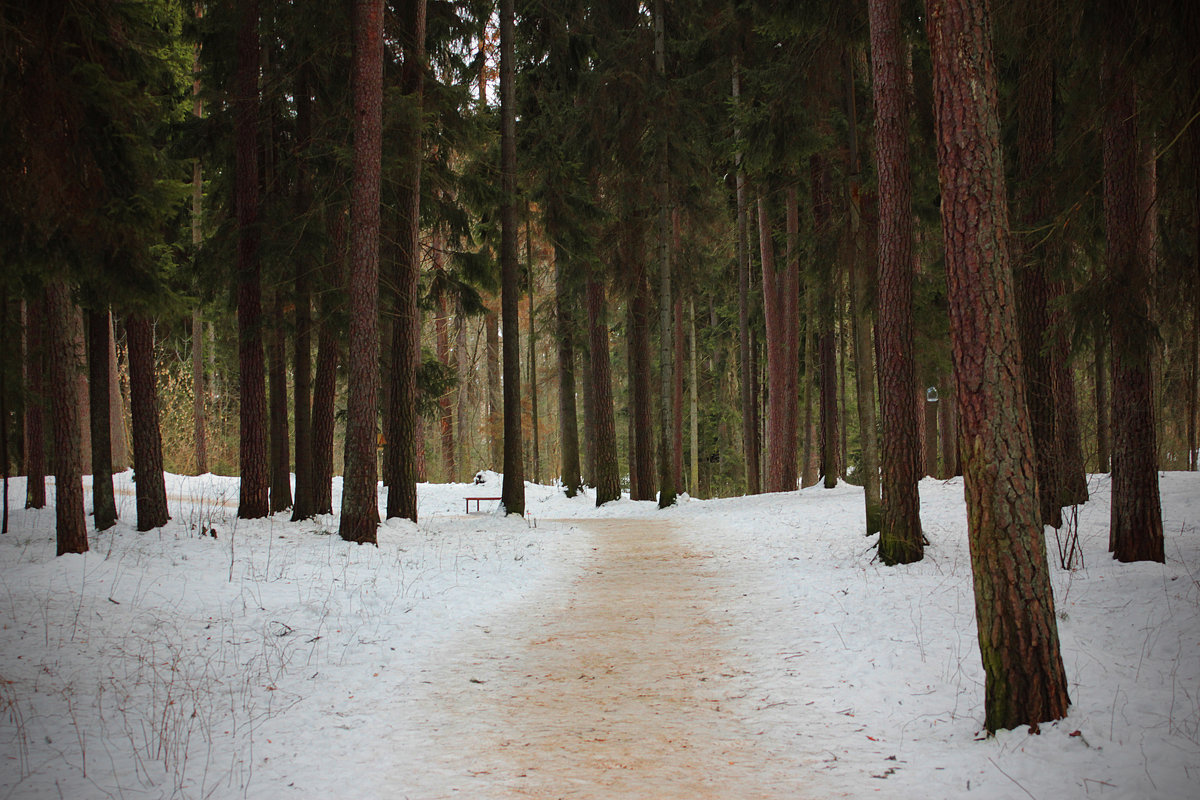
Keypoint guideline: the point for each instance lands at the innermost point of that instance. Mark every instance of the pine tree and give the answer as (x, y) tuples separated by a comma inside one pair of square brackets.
[(65, 364), (360, 505), (1014, 605), (513, 490)]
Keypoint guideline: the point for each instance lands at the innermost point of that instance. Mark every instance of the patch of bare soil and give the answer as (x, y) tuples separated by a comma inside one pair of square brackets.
[(623, 685)]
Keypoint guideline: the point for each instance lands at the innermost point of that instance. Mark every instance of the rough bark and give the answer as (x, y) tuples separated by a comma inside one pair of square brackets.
[(360, 503), (104, 502), (281, 456), (534, 425), (150, 484), (694, 402), (253, 498), (35, 432), (948, 429), (441, 330), (589, 400), (641, 396), (79, 334), (565, 302), (900, 539), (1035, 150), (1025, 682), (65, 362), (811, 455), (403, 451), (513, 490), (116, 405), (606, 478), (1135, 525), (780, 432)]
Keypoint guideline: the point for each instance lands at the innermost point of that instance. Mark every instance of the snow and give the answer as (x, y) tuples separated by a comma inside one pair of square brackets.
[(275, 660)]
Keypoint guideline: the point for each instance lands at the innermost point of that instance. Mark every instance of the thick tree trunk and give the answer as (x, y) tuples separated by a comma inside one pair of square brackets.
[(568, 425), (404, 449), (149, 482), (750, 441), (900, 539), (1072, 479), (65, 363), (513, 490), (1035, 150), (604, 440), (104, 503), (35, 432), (1135, 527), (253, 499), (781, 365), (811, 456), (80, 378), (360, 497), (1014, 605), (281, 457)]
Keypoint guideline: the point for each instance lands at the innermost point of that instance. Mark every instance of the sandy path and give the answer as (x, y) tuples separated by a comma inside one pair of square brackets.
[(622, 684)]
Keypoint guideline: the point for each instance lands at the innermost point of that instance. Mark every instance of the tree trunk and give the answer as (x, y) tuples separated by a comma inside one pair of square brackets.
[(667, 485), (116, 405), (305, 501), (533, 389), (900, 538), (694, 391), (466, 369), (750, 442), (513, 490), (325, 381), (64, 362), (4, 342), (149, 482), (604, 442), (404, 449), (1014, 605), (780, 435), (1035, 151), (1135, 527), (1100, 380), (678, 361), (441, 329), (200, 433), (35, 433), (281, 458), (931, 437), (589, 398), (360, 498), (811, 466), (641, 396), (565, 302), (948, 430), (104, 503), (80, 377), (495, 404), (826, 337), (253, 499)]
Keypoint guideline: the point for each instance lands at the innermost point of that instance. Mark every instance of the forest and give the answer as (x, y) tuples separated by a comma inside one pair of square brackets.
[(722, 248)]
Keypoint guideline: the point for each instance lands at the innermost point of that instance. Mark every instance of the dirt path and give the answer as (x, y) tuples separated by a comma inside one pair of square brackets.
[(622, 685)]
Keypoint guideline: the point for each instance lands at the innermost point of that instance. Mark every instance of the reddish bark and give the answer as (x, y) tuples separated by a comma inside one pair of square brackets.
[(603, 444), (325, 382), (565, 300), (65, 362), (150, 484), (360, 503), (641, 396), (750, 440), (901, 539), (104, 506), (1014, 605), (781, 363), (281, 457), (1135, 526)]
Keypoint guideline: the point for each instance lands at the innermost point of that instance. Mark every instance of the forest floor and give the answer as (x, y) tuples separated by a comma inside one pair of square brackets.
[(625, 682)]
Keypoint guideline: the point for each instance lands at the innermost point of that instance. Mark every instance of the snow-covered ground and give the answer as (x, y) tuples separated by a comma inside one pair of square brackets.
[(273, 660)]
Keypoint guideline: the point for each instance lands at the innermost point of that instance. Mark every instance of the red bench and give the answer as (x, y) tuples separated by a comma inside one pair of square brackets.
[(477, 501)]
